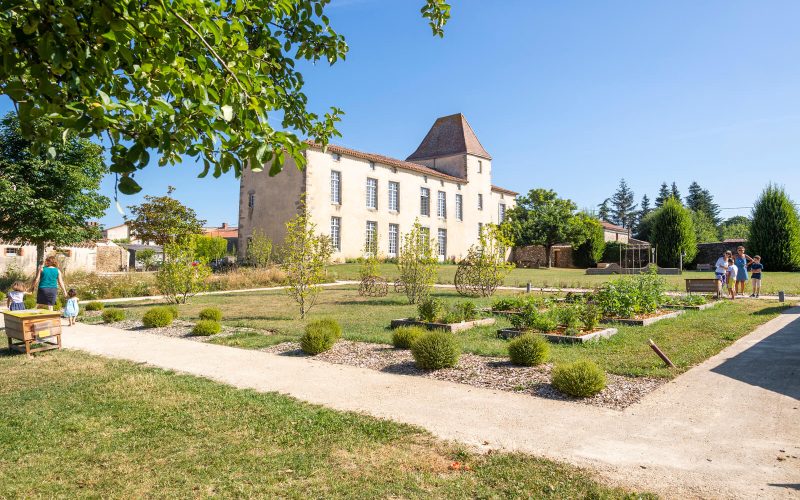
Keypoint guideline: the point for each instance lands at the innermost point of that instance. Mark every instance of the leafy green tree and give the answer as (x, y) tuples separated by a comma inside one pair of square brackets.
[(208, 248), (259, 249), (737, 227), (180, 77), (623, 211), (590, 252), (673, 233), (163, 220), (645, 226), (775, 230), (180, 275), (49, 199), (704, 229), (417, 263), (542, 218), (663, 195), (147, 258), (701, 200), (304, 257)]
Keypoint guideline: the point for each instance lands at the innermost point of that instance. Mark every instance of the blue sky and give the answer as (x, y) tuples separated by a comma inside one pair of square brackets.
[(570, 96)]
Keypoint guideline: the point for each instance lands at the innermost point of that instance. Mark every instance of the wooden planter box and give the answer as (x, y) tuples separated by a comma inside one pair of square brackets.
[(510, 333), (31, 326), (643, 321), (698, 307), (450, 327)]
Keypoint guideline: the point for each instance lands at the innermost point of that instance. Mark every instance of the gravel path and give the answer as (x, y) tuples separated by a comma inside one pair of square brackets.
[(479, 371)]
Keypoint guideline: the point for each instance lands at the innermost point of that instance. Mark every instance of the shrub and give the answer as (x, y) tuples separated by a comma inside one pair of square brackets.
[(581, 379), (320, 336), (775, 230), (174, 310), (590, 252), (435, 350), (673, 233), (430, 310), (631, 295), (568, 315), (157, 317), (29, 301), (468, 311), (405, 336), (113, 314), (180, 277), (545, 322), (212, 313), (590, 315), (94, 306), (528, 350), (206, 327)]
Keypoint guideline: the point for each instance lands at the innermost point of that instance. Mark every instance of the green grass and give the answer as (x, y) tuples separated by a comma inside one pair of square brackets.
[(575, 278), (75, 425), (688, 339)]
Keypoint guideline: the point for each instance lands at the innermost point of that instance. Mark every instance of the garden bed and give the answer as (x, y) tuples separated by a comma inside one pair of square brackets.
[(450, 327), (559, 338), (644, 321), (478, 371), (697, 307)]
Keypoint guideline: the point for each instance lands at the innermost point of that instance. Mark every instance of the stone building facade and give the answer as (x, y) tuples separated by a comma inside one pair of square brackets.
[(100, 256), (357, 197)]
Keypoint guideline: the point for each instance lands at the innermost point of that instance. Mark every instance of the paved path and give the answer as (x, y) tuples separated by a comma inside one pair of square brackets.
[(715, 431)]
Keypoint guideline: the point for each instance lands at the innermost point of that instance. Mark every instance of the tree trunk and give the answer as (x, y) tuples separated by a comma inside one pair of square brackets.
[(40, 254), (548, 253)]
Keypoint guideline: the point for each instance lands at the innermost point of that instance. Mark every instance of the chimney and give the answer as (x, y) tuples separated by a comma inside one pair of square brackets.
[(224, 225)]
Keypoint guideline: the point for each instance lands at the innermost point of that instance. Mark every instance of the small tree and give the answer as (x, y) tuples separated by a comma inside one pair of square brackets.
[(259, 249), (737, 227), (305, 255), (163, 220), (623, 206), (208, 248), (147, 258), (180, 276), (590, 252), (417, 263), (704, 229), (485, 266), (775, 230), (673, 233)]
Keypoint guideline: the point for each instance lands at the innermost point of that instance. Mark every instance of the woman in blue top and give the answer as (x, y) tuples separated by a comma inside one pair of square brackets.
[(742, 260), (48, 281)]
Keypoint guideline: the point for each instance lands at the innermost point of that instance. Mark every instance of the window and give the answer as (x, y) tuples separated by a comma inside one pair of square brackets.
[(12, 251), (480, 229), (394, 196), (251, 200), (501, 212), (372, 165), (425, 201), (480, 201), (459, 207), (394, 235), (336, 235), (336, 187), (371, 242), (372, 193), (480, 167), (442, 242), (441, 205), (336, 156), (425, 235)]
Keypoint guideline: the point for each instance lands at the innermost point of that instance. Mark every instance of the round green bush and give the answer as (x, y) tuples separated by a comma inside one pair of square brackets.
[(206, 327), (581, 379), (320, 336), (113, 314), (435, 350), (212, 313), (405, 336), (528, 350), (94, 306), (157, 317), (173, 309), (29, 301)]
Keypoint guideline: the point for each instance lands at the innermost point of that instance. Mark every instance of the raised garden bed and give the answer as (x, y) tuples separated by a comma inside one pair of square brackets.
[(649, 320), (604, 333), (450, 327), (696, 307)]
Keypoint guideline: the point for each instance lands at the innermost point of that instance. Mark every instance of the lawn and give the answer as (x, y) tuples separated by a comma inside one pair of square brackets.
[(76, 425), (688, 339), (575, 278)]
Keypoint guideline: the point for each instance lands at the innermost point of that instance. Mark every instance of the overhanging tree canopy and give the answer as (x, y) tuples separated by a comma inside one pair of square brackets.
[(203, 78)]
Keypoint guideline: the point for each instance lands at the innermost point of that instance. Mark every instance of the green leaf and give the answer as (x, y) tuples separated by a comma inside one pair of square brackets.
[(128, 186)]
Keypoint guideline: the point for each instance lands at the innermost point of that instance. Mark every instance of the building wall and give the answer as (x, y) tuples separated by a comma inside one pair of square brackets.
[(111, 259), (615, 236), (69, 258), (535, 256)]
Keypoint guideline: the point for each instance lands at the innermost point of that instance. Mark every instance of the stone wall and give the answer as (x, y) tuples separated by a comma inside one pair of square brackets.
[(111, 259), (534, 256), (708, 253)]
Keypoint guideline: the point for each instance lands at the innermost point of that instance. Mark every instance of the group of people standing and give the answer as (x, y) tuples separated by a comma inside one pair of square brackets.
[(733, 272), (47, 283)]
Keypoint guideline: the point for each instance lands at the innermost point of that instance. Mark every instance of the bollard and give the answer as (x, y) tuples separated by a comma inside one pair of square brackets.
[(528, 288), (781, 296)]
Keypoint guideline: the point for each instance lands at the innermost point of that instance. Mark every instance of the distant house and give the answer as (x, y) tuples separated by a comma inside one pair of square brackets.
[(121, 232), (615, 233), (93, 256), (230, 233)]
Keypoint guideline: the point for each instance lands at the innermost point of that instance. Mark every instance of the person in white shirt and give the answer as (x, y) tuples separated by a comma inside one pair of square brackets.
[(732, 271), (722, 272)]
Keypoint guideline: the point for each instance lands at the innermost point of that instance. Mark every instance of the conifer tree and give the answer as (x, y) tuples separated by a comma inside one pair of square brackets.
[(644, 206), (701, 200), (675, 193), (623, 206), (673, 233), (775, 230), (604, 211), (663, 195)]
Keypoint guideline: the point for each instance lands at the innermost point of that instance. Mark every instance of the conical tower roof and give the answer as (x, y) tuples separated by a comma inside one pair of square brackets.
[(449, 135)]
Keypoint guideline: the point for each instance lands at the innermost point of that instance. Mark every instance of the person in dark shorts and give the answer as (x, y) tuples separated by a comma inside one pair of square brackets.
[(48, 281), (721, 272), (756, 268)]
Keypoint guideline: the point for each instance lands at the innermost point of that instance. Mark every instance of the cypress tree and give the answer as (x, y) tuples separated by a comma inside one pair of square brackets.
[(775, 230), (672, 233)]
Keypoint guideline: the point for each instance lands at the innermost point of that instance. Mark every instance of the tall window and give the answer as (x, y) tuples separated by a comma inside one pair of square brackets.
[(336, 187), (459, 207), (394, 235), (425, 201), (442, 242), (372, 193), (480, 167), (394, 196), (441, 204), (501, 212), (336, 235), (371, 243), (480, 229), (251, 200), (480, 201)]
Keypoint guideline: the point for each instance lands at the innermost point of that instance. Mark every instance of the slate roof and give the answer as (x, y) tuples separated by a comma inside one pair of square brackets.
[(449, 135)]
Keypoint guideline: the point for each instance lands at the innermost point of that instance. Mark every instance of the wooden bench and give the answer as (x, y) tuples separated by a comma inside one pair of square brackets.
[(701, 285), (704, 267)]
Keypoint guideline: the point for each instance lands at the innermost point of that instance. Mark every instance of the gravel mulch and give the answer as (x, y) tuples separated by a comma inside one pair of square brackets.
[(478, 371)]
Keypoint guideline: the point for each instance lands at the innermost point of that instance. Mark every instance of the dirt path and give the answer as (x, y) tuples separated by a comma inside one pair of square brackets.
[(729, 428)]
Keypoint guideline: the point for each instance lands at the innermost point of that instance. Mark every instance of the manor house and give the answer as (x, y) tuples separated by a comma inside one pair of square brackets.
[(365, 200)]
